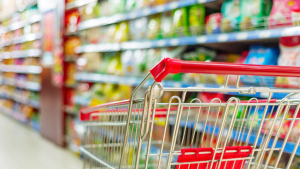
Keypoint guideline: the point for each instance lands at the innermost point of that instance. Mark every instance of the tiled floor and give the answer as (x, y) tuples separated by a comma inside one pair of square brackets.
[(23, 148)]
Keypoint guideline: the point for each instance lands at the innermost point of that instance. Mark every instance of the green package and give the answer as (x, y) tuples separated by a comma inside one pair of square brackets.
[(253, 13), (180, 22), (196, 15), (231, 15)]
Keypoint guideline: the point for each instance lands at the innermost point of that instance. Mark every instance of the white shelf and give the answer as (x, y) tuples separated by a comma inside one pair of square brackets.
[(78, 3), (21, 69), (257, 35), (21, 54)]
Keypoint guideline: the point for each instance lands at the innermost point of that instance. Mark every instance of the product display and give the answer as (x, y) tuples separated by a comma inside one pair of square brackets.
[(95, 52)]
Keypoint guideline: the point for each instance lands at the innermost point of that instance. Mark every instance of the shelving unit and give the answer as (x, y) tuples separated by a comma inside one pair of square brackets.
[(234, 41), (17, 76)]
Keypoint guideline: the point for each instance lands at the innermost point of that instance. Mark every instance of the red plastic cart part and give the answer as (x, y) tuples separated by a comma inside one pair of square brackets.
[(160, 112), (208, 155), (174, 66)]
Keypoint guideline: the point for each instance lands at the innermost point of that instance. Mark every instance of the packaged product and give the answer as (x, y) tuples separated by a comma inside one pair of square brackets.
[(296, 17), (196, 15), (70, 45), (289, 56), (115, 65), (130, 5), (281, 13), (91, 61), (128, 60), (110, 33), (213, 23), (166, 24), (97, 94), (138, 30), (118, 6), (71, 70), (157, 2), (93, 35), (154, 27), (105, 9), (141, 61), (253, 13), (262, 56), (122, 31), (91, 11), (153, 56), (231, 15), (180, 22)]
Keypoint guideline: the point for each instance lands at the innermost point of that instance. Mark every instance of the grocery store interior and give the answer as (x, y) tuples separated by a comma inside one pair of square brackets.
[(61, 60)]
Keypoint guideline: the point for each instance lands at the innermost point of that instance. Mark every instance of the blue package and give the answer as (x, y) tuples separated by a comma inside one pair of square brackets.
[(261, 55)]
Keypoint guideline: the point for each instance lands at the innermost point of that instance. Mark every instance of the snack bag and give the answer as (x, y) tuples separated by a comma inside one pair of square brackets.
[(115, 65), (213, 23), (196, 15), (90, 61), (231, 15), (122, 31), (253, 13), (262, 56), (154, 27), (180, 22), (138, 30), (91, 11), (281, 13), (290, 56)]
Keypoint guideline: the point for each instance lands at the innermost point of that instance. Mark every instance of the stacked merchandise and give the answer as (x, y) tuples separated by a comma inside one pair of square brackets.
[(20, 63), (105, 71)]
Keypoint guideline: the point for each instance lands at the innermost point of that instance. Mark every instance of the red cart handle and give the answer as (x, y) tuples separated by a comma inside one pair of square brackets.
[(174, 66)]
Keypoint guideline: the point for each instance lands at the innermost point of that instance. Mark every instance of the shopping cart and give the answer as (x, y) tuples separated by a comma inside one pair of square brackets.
[(186, 133)]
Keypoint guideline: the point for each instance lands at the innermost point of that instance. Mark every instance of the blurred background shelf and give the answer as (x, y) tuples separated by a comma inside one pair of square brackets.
[(106, 20), (21, 69)]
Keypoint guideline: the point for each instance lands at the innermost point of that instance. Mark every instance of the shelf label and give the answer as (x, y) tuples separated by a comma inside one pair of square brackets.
[(201, 39)]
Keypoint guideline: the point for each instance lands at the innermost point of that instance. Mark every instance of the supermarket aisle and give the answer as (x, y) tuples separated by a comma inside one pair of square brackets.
[(22, 148)]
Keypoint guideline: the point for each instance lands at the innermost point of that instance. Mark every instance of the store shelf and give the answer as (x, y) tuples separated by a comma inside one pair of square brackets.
[(209, 129), (138, 13), (14, 114), (20, 10), (21, 69), (34, 86), (21, 54), (20, 24), (134, 81), (20, 99), (22, 39), (193, 40), (78, 3)]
